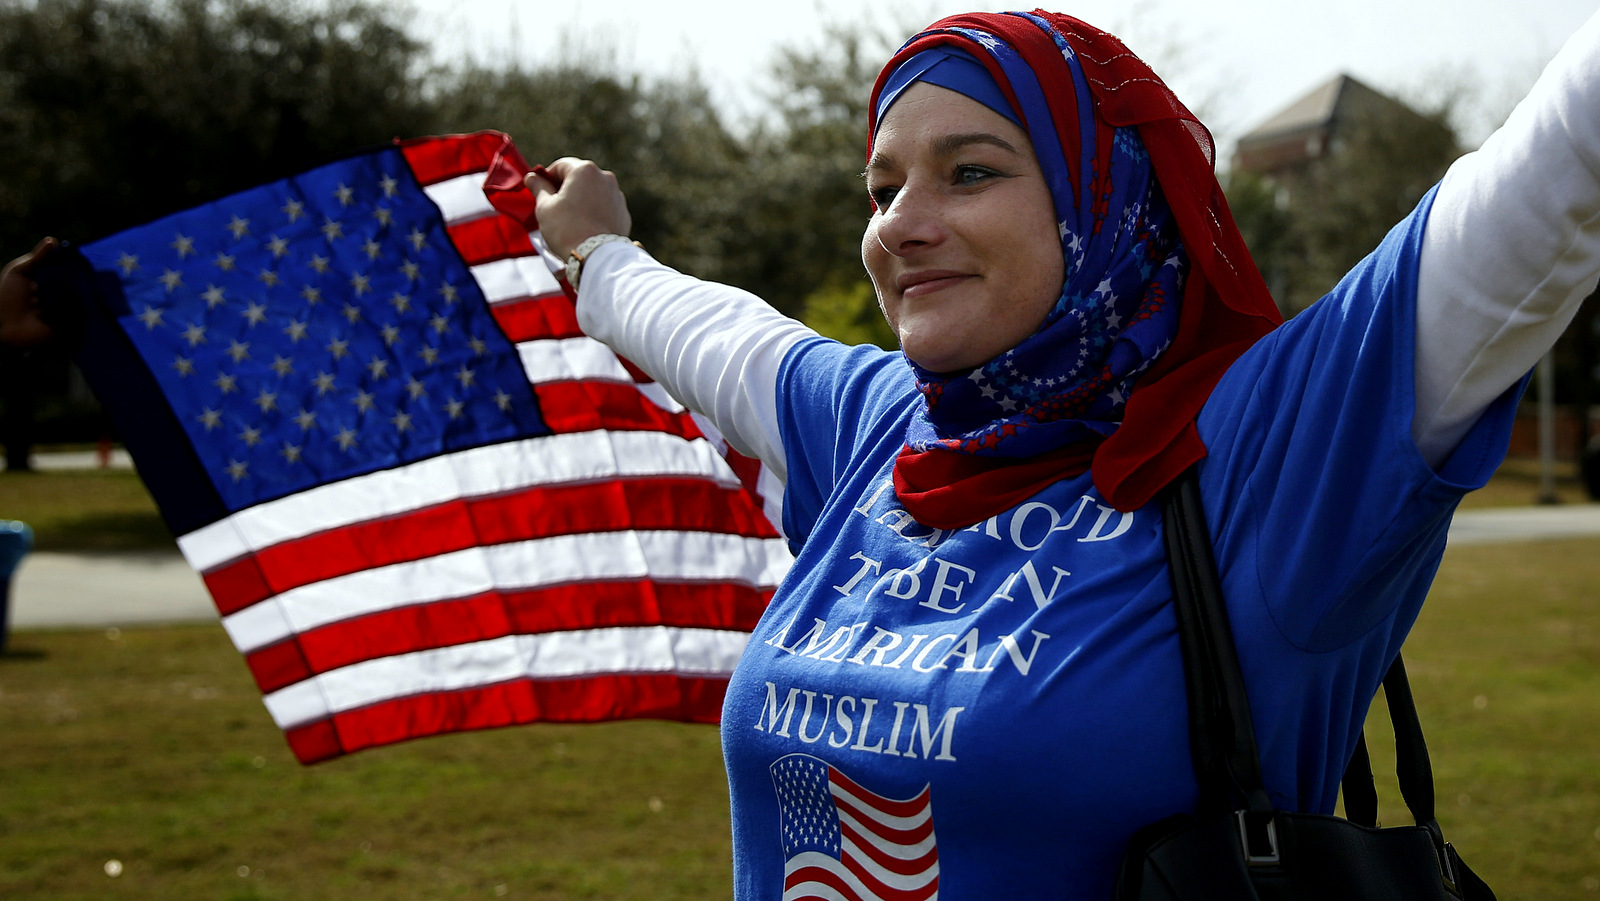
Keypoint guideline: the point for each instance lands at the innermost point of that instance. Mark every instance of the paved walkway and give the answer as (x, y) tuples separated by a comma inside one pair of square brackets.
[(94, 590)]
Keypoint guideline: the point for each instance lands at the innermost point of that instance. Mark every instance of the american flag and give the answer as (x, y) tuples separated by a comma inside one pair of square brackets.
[(421, 498), (843, 841)]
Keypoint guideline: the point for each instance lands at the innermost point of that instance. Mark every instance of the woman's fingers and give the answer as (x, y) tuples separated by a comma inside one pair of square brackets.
[(576, 199), (20, 324)]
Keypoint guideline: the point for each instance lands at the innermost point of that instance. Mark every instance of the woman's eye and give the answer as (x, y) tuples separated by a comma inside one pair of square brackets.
[(883, 195), (968, 176)]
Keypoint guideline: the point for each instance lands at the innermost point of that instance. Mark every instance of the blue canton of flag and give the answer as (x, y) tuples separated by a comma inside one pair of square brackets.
[(317, 328), (810, 820)]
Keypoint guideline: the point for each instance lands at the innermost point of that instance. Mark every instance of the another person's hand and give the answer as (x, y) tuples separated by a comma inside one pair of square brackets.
[(579, 200), (20, 324)]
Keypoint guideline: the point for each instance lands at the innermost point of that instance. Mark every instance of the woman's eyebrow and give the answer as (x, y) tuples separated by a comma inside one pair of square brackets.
[(944, 145)]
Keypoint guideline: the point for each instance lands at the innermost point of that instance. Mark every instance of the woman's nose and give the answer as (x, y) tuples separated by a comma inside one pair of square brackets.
[(912, 220)]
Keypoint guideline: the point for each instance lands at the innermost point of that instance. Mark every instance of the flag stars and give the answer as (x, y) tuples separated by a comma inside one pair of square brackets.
[(410, 270), (151, 317), (171, 279), (305, 419), (465, 376), (255, 313), (344, 194), (127, 262), (251, 436), (290, 452), (278, 246), (238, 469), (388, 184), (213, 296), (390, 333), (319, 263), (416, 389), (183, 244), (352, 313), (223, 261), (400, 302), (417, 238), (338, 347), (296, 330), (379, 368), (239, 350), (211, 419), (383, 215), (184, 366), (266, 400), (479, 348), (360, 284), (226, 383), (324, 382), (372, 249), (346, 438), (363, 401), (283, 366), (440, 324), (503, 401), (454, 408), (239, 227), (294, 209), (449, 293), (312, 295), (195, 334), (332, 228), (401, 421), (429, 355)]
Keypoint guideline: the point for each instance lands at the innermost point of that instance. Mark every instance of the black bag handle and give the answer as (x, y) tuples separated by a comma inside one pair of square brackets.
[(1221, 736)]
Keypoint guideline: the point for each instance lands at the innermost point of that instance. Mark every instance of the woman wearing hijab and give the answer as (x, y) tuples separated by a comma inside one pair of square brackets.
[(970, 681)]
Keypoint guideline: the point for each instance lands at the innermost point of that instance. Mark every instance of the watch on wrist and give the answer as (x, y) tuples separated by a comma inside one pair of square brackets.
[(582, 252)]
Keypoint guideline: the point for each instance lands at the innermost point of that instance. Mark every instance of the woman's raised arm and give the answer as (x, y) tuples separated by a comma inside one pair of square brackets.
[(1512, 247)]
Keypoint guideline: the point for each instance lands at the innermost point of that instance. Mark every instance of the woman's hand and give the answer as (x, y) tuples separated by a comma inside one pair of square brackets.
[(578, 201), (20, 325)]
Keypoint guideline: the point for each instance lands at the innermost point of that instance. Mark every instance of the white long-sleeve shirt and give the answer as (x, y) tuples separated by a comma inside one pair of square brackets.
[(1511, 247)]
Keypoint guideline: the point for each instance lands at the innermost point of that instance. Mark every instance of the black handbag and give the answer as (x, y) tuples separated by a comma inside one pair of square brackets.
[(1237, 847)]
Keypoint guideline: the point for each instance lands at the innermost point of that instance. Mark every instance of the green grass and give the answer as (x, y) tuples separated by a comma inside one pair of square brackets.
[(84, 510)]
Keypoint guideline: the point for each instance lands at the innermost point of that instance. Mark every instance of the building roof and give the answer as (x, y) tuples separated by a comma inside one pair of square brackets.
[(1319, 108)]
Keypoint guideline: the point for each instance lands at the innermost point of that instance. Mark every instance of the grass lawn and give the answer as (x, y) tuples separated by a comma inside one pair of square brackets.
[(151, 748)]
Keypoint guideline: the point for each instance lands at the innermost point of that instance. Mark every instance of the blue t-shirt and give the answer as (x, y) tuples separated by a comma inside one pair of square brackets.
[(991, 713)]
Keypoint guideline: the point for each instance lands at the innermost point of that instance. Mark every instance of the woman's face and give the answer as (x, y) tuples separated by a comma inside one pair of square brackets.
[(964, 249)]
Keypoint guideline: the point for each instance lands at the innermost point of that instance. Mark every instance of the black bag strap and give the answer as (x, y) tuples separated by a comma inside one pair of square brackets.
[(1221, 737)]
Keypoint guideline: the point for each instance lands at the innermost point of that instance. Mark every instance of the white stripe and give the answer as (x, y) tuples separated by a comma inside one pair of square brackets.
[(570, 359), (888, 846), (656, 394), (460, 199), (521, 565), (893, 880), (515, 277), (555, 655), (492, 469)]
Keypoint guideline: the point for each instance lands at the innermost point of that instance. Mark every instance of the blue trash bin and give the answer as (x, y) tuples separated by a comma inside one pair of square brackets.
[(16, 539)]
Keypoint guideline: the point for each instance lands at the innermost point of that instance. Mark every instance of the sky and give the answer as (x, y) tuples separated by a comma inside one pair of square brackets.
[(1236, 62)]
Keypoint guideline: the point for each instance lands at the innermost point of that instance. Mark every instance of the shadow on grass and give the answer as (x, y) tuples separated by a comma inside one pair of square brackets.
[(19, 655), (111, 531)]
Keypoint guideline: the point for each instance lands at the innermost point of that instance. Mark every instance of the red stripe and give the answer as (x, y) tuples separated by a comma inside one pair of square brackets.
[(587, 700), (654, 504), (586, 406), (490, 238), (824, 876), (897, 865), (551, 316), (586, 605), (888, 833), (907, 808), (884, 892), (437, 159)]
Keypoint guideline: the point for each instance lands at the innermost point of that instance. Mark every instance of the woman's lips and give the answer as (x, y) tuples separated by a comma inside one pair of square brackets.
[(918, 284)]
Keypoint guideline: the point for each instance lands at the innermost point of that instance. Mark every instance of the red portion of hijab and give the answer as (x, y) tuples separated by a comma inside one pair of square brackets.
[(1225, 307)]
